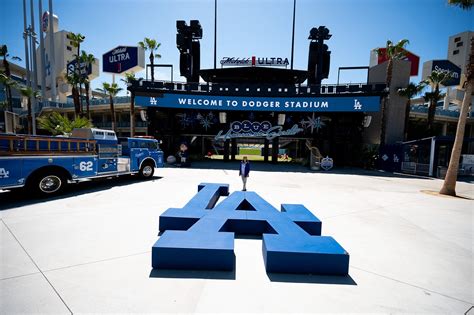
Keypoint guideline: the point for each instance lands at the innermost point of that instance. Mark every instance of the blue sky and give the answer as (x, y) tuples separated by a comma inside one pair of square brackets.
[(252, 27)]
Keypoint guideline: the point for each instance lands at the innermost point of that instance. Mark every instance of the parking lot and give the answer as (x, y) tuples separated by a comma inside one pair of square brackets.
[(89, 249)]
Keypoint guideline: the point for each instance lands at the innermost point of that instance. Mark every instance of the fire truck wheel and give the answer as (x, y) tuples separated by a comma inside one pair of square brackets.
[(47, 183), (147, 170)]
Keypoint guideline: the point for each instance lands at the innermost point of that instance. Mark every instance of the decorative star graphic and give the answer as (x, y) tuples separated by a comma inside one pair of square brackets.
[(304, 123), (312, 123), (206, 122), (318, 123), (184, 120)]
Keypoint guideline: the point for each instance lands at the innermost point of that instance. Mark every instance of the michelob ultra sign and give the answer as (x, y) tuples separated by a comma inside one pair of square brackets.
[(123, 59)]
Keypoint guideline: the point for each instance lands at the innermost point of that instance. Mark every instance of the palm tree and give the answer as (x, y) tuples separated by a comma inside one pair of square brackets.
[(89, 60), (76, 40), (6, 65), (449, 185), (57, 124), (409, 92), (8, 84), (435, 79), (112, 90), (129, 79), (73, 79), (463, 4), (392, 52), (29, 93), (151, 45)]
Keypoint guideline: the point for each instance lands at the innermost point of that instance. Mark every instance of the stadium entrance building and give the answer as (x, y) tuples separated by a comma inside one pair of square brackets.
[(258, 106)]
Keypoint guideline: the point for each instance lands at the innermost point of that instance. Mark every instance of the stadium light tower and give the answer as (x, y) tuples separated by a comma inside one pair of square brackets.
[(319, 55)]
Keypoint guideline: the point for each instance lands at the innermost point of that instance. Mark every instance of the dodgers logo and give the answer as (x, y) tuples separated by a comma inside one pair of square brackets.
[(200, 236)]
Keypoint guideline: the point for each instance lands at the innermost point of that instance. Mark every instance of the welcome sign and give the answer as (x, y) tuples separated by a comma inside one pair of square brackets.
[(283, 104)]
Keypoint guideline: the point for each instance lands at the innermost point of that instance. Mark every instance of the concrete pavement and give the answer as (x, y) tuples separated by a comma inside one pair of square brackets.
[(89, 250)]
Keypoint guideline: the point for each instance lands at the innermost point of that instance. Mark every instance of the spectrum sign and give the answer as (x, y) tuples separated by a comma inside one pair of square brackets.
[(445, 66)]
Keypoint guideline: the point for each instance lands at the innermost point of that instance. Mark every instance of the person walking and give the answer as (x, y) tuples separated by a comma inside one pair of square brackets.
[(244, 171)]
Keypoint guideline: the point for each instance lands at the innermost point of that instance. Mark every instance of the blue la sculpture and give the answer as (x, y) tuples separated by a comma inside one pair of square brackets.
[(200, 236)]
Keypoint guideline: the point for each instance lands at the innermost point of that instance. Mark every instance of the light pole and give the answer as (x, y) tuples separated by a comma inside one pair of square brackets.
[(42, 63), (52, 58), (293, 34), (25, 37), (34, 84)]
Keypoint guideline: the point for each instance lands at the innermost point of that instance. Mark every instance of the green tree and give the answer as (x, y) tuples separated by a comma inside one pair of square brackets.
[(29, 93), (111, 90), (391, 52), (8, 83), (435, 79), (151, 45), (76, 40), (57, 124), (449, 185), (73, 80), (129, 79), (89, 60), (409, 92)]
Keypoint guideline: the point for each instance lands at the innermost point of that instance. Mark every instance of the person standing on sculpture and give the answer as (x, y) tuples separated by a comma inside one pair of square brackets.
[(244, 171)]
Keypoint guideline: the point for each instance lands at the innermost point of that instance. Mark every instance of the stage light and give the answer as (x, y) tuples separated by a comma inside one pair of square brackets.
[(367, 121), (181, 25), (223, 117), (196, 29), (281, 119), (143, 115)]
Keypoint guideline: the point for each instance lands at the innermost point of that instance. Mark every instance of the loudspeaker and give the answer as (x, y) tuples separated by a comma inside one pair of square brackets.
[(196, 67), (312, 61), (185, 65)]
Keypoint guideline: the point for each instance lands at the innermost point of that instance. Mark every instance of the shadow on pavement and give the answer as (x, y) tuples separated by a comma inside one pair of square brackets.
[(296, 168), (304, 278), (230, 275), (193, 274), (20, 197)]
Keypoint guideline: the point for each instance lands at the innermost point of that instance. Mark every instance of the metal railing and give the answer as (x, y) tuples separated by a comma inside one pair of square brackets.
[(121, 124), (415, 168), (439, 111), (260, 89), (18, 109), (27, 144)]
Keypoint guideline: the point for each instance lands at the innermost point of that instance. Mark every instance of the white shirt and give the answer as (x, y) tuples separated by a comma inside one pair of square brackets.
[(242, 168)]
